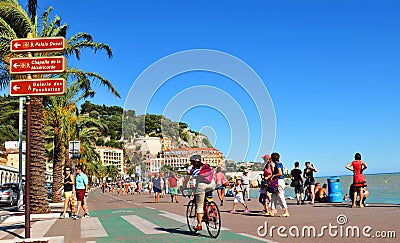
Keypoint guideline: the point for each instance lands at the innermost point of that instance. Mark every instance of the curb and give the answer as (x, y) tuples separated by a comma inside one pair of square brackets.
[(55, 239)]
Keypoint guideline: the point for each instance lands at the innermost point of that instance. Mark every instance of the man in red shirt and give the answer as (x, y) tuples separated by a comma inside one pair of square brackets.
[(173, 187)]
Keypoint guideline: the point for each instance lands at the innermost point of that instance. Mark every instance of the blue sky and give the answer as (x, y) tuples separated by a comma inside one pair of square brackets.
[(331, 69)]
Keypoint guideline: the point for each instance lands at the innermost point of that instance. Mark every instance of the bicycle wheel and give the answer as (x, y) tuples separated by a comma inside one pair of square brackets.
[(213, 222), (191, 216)]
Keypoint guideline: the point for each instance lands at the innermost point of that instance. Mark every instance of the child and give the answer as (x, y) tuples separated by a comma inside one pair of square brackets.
[(238, 192)]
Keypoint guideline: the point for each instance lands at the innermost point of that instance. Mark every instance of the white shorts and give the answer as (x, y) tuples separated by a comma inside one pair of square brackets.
[(238, 198)]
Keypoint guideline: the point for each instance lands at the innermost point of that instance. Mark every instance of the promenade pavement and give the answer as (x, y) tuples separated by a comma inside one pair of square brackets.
[(136, 218)]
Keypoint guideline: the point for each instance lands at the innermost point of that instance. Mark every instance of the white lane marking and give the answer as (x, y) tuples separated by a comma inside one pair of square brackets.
[(40, 228), (180, 218), (149, 207), (256, 238), (91, 227), (143, 225)]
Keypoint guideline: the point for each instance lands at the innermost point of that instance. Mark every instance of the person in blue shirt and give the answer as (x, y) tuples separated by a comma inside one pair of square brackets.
[(81, 185), (278, 197)]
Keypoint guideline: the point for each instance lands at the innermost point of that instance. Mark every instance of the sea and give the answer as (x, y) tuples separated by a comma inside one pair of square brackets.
[(383, 188)]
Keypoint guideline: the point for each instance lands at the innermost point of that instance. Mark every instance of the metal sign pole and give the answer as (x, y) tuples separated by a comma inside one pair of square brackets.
[(28, 169), (28, 161)]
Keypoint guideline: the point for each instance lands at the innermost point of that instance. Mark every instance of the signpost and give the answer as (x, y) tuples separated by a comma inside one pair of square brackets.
[(54, 86), (74, 149), (37, 65), (46, 44)]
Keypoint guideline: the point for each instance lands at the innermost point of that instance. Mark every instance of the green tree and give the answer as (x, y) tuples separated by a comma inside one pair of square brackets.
[(112, 171), (16, 23)]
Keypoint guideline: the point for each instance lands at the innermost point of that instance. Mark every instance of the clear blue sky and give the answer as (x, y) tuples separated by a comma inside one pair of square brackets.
[(331, 69)]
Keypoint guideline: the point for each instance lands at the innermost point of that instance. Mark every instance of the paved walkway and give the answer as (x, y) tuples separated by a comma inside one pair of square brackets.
[(136, 218)]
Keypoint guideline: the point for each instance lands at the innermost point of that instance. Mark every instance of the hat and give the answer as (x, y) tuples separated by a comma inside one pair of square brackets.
[(246, 171), (238, 178), (266, 156)]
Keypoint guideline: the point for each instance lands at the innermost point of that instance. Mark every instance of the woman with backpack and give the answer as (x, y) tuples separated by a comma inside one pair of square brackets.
[(204, 175)]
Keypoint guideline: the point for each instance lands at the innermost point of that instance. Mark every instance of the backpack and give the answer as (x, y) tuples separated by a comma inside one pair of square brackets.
[(207, 173)]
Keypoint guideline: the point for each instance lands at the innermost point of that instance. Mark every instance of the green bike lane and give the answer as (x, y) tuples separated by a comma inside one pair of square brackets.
[(154, 226)]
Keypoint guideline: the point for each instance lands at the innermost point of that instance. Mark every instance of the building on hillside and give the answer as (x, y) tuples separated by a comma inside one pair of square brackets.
[(150, 146), (178, 158), (112, 156)]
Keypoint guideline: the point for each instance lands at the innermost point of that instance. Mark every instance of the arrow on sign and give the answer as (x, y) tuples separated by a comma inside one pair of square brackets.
[(16, 87), (16, 65), (16, 45)]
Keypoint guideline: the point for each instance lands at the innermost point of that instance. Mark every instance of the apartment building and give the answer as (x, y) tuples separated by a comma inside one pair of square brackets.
[(112, 156), (178, 158)]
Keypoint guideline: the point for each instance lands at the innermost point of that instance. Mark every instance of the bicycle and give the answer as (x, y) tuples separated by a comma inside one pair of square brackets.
[(211, 217)]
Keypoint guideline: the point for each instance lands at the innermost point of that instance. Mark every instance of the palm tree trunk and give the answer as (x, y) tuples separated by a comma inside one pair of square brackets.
[(57, 166), (68, 161), (38, 189)]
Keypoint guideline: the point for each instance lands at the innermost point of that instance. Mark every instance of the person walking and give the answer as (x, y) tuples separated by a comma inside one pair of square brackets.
[(157, 187), (265, 196), (221, 181), (279, 196), (81, 185), (238, 190), (246, 185), (69, 191), (173, 187), (309, 180), (359, 182), (297, 183)]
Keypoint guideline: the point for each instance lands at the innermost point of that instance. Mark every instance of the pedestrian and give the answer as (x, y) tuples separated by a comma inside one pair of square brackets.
[(150, 187), (173, 187), (221, 182), (81, 185), (278, 197), (139, 186), (265, 196), (246, 185), (238, 191), (297, 183), (309, 180), (359, 182), (69, 190), (157, 187)]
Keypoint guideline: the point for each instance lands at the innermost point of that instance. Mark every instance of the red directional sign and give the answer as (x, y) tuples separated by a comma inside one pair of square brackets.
[(37, 65), (46, 44), (28, 87)]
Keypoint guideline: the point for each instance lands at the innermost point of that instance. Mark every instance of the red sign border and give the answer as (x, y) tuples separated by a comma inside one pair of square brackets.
[(40, 71), (38, 80), (38, 49)]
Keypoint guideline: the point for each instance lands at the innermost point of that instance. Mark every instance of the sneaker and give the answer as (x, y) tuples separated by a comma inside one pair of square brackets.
[(86, 215), (233, 211), (74, 216), (246, 211), (62, 216)]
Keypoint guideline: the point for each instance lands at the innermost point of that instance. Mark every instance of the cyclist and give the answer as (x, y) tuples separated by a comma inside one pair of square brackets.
[(203, 183)]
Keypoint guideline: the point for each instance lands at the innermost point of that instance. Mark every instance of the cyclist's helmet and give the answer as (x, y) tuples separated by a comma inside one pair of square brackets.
[(195, 158)]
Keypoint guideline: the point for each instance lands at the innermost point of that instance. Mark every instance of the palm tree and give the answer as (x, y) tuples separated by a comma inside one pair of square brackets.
[(8, 119), (112, 171), (131, 171), (16, 23)]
